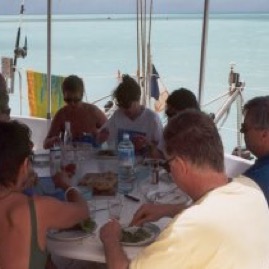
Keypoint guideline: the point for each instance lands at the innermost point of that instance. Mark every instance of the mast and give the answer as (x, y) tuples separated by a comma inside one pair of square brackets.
[(49, 59), (203, 51)]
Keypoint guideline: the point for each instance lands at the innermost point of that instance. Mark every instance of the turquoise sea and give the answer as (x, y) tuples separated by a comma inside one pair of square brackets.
[(95, 47)]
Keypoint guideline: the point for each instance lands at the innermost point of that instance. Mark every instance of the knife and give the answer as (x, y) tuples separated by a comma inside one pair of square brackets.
[(133, 198)]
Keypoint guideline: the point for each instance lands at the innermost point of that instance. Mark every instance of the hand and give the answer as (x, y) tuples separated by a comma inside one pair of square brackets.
[(53, 141), (149, 212), (139, 142), (110, 232), (59, 180), (154, 212)]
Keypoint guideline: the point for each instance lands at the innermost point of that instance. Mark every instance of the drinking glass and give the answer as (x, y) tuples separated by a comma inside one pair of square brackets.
[(145, 187), (92, 209), (114, 207)]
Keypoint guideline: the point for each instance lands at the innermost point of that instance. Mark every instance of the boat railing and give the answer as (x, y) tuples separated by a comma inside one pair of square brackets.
[(234, 94)]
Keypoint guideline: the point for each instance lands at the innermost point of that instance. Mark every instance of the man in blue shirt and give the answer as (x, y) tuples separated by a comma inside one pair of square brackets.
[(256, 133)]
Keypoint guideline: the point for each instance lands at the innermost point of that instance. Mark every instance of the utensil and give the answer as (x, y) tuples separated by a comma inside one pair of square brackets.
[(130, 197)]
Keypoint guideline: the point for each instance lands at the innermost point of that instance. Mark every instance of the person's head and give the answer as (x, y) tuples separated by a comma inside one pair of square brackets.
[(127, 95), (179, 100), (4, 100), (192, 137), (15, 154), (256, 125), (73, 89)]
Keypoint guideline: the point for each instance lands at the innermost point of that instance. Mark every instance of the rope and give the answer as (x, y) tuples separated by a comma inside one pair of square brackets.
[(138, 41), (101, 99)]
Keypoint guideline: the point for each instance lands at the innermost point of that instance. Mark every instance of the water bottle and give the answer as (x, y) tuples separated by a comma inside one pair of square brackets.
[(126, 159), (55, 160), (68, 139)]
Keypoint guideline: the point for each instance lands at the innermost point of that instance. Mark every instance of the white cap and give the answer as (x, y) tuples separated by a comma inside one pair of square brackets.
[(126, 136), (67, 125)]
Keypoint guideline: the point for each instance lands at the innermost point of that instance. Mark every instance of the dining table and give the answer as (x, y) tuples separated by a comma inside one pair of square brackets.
[(89, 247)]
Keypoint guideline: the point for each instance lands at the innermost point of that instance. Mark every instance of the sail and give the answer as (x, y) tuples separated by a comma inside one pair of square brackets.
[(37, 93)]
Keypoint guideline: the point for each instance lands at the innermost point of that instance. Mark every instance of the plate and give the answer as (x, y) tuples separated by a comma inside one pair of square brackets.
[(151, 229), (70, 234), (174, 197), (106, 154)]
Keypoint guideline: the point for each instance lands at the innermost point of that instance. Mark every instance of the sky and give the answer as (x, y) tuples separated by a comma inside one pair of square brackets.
[(129, 6)]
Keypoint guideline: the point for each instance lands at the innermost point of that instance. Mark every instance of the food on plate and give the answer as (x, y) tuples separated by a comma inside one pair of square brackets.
[(87, 225), (136, 236), (101, 183)]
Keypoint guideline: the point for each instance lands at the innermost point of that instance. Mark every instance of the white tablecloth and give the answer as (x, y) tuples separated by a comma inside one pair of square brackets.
[(90, 248)]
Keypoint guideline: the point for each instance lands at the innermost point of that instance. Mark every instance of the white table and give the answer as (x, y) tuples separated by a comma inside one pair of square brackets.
[(91, 248)]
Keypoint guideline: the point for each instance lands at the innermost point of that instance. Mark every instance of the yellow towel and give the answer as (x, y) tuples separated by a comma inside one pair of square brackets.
[(37, 93)]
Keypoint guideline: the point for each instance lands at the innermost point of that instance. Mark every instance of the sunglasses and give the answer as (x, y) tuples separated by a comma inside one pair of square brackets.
[(166, 164), (72, 100), (244, 128)]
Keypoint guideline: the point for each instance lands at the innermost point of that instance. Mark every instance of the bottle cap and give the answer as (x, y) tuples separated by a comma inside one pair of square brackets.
[(126, 136), (67, 125)]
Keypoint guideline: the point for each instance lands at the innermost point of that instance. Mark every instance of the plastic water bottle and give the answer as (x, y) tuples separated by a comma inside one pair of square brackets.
[(126, 175), (68, 139), (55, 160)]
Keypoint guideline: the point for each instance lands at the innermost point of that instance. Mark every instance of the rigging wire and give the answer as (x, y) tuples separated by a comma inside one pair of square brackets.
[(138, 40)]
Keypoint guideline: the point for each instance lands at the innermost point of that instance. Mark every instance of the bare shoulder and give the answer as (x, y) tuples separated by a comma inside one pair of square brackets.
[(91, 107)]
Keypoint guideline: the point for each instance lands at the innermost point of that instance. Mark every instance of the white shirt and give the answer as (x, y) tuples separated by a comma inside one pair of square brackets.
[(147, 124), (227, 228)]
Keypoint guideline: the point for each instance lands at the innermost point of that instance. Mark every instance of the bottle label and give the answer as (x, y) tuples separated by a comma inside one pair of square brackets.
[(126, 157)]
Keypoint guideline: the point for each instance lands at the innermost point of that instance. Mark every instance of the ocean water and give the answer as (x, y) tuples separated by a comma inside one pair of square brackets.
[(95, 47)]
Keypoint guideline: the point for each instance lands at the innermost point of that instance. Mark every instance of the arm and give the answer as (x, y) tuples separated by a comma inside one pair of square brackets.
[(54, 131), (110, 235), (101, 118), (154, 212), (71, 212)]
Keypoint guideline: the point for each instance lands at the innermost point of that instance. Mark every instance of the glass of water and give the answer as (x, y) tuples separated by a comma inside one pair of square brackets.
[(115, 206)]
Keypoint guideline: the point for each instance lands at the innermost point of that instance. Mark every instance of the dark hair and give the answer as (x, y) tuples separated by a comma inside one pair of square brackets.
[(192, 135), (181, 99), (257, 110), (127, 92), (15, 146), (73, 84)]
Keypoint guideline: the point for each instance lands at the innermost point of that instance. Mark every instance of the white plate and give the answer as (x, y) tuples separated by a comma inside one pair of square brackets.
[(151, 228), (175, 197), (69, 235)]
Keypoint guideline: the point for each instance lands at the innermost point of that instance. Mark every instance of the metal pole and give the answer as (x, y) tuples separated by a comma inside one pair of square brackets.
[(203, 51), (49, 60)]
